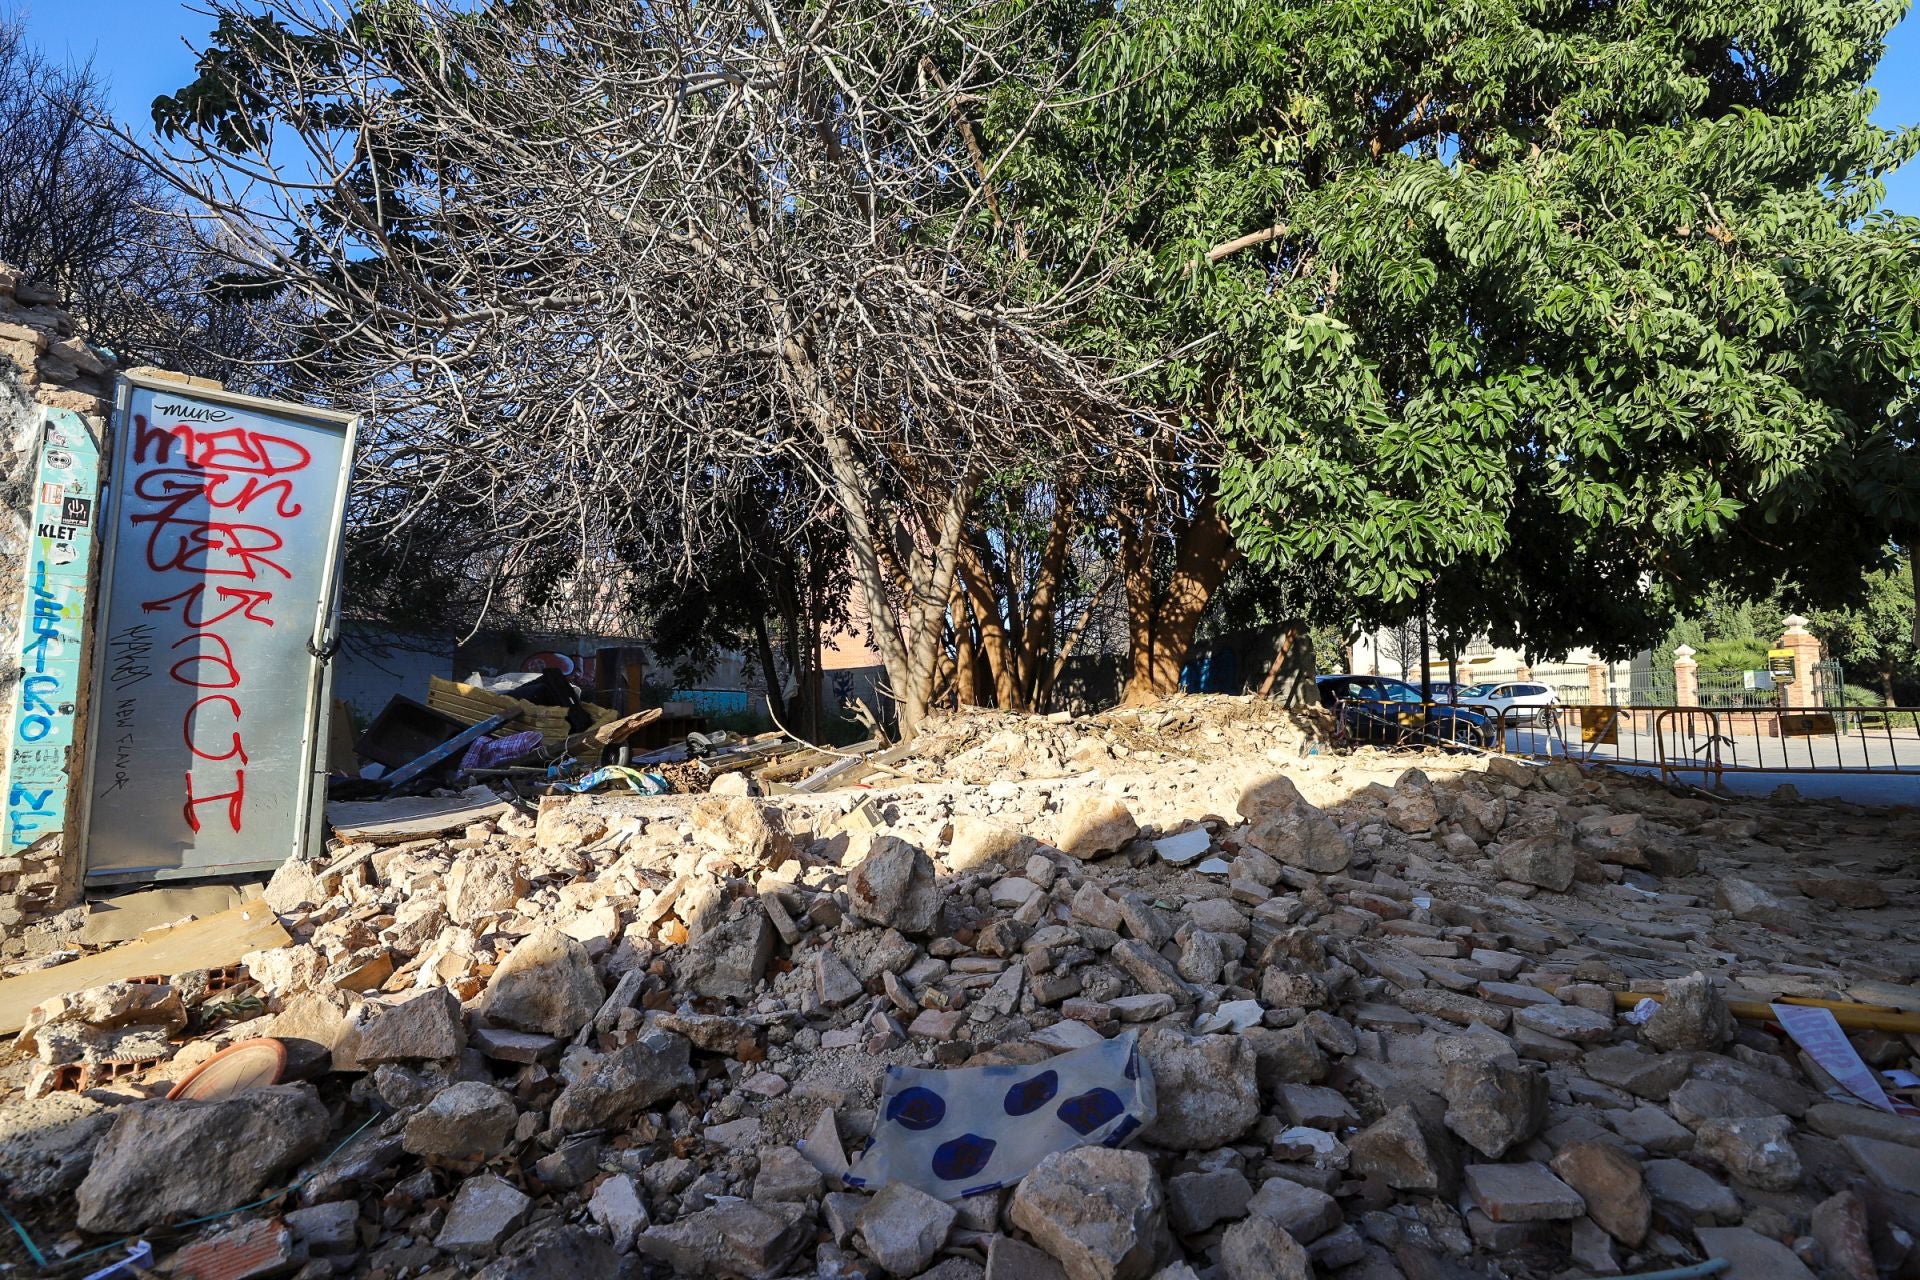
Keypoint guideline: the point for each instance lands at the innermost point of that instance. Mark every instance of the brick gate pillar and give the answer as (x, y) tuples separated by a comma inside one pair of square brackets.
[(1686, 678), (1597, 684), (1805, 647)]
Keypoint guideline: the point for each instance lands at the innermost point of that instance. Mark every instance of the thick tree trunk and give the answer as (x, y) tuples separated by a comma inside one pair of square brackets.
[(1036, 653), (995, 643), (1160, 631), (1136, 575), (776, 702), (932, 581), (966, 684)]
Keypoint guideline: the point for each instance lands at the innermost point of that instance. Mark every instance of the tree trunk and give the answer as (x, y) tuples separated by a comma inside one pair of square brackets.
[(1160, 633), (994, 640), (1913, 572), (1036, 654), (776, 702), (966, 685)]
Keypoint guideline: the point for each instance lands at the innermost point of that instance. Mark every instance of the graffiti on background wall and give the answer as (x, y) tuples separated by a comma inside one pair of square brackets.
[(65, 503), (578, 669)]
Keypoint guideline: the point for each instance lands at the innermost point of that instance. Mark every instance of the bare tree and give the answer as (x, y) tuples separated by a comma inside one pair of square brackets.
[(585, 260), (96, 227), (1400, 644)]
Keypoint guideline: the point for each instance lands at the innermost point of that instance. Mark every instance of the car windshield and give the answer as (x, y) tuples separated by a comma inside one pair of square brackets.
[(1391, 691), (1476, 691)]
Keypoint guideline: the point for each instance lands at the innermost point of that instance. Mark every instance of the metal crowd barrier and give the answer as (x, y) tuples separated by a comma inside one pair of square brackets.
[(1699, 744), (1712, 743), (1692, 743)]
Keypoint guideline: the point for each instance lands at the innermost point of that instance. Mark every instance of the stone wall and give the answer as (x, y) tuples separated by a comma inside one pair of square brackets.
[(42, 362)]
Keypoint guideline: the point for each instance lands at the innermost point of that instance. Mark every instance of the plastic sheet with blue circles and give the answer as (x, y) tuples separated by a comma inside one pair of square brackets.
[(970, 1129)]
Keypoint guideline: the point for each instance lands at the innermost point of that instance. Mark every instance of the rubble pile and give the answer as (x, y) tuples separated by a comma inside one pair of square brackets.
[(990, 746), (1378, 999)]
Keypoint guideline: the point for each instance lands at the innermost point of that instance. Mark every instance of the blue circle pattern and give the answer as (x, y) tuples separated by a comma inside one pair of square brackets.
[(917, 1109), (920, 1109), (1029, 1096), (1088, 1111), (963, 1157)]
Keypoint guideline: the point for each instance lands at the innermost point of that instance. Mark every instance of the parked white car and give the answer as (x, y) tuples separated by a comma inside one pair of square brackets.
[(1509, 702)]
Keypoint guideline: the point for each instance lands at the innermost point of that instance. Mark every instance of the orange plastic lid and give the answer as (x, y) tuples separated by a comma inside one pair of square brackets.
[(250, 1064)]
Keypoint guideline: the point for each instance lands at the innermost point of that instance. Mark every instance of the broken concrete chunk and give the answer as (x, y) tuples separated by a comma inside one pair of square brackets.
[(1692, 1015), (1522, 1193), (730, 956), (894, 886), (1754, 1149), (739, 1239), (465, 1121), (46, 1144), (982, 842), (1408, 1151), (480, 885), (1304, 1213), (904, 1227), (1094, 826), (1196, 1201), (546, 985), (1610, 1182), (429, 1025), (1300, 835), (615, 1085), (1411, 805), (1257, 1248), (486, 1210), (619, 1209), (1748, 901), (163, 1161), (1098, 1211), (1696, 1196), (1751, 1253), (1183, 846), (786, 1174), (1207, 1089), (1545, 859), (1494, 1105)]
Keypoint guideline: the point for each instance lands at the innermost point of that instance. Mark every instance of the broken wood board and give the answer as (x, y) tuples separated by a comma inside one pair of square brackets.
[(212, 943), (852, 771), (411, 817), (126, 916)]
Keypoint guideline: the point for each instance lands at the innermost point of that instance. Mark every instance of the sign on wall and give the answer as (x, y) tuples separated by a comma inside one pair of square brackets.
[(223, 518), (50, 650)]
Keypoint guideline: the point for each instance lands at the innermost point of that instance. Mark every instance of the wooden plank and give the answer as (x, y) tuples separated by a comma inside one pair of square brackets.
[(411, 817), (124, 917), (211, 943)]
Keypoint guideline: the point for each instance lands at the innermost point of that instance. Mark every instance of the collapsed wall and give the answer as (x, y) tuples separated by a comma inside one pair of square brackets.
[(1403, 1016), (44, 363)]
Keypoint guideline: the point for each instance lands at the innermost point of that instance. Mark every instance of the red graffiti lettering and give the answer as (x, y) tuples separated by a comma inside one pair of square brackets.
[(224, 661), (187, 730), (198, 546), (246, 600), (235, 799), (229, 449), (206, 498)]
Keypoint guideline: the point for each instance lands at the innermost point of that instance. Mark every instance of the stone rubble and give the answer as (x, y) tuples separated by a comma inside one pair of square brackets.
[(647, 1036)]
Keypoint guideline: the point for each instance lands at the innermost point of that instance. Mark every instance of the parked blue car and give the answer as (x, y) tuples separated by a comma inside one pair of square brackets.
[(1384, 710)]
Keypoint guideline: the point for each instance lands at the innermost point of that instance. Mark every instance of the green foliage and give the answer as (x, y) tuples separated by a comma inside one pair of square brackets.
[(1874, 638), (1731, 655), (1572, 310)]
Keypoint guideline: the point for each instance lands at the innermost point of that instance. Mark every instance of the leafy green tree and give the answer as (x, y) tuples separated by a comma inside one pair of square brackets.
[(1555, 312), (1875, 637)]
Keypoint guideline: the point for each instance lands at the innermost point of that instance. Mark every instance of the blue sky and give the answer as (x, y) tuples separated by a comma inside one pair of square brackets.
[(138, 45)]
